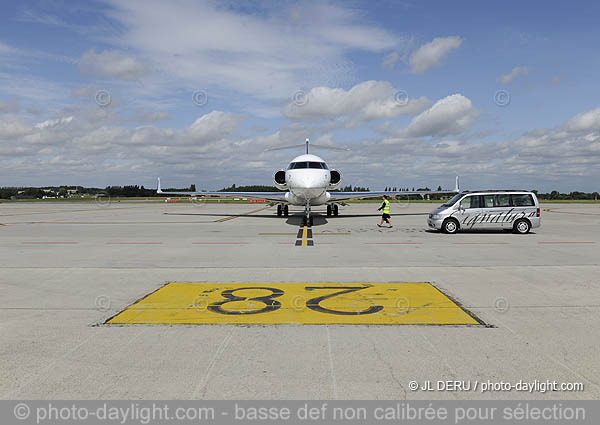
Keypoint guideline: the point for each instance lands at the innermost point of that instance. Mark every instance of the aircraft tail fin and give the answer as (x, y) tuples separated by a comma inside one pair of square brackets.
[(457, 185), (158, 189)]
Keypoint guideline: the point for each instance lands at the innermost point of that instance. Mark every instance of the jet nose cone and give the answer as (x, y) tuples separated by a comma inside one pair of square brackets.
[(305, 183)]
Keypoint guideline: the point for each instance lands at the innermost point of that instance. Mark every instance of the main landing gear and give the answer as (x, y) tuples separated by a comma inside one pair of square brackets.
[(283, 210), (332, 210)]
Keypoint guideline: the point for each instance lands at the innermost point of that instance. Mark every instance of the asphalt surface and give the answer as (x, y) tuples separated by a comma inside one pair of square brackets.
[(69, 267)]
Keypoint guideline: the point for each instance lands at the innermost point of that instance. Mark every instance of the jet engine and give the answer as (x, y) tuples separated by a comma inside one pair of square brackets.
[(279, 180), (335, 179)]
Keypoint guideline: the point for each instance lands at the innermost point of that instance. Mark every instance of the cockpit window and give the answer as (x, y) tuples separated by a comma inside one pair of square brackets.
[(307, 164)]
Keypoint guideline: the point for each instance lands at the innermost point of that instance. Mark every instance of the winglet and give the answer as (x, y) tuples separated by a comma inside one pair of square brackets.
[(158, 189), (457, 186)]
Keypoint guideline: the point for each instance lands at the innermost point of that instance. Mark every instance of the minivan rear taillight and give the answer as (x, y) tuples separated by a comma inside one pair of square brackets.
[(538, 213)]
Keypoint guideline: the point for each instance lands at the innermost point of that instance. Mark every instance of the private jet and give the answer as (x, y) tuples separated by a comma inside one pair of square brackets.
[(308, 182)]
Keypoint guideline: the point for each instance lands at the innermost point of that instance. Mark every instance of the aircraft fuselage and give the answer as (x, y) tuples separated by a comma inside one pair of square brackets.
[(307, 179)]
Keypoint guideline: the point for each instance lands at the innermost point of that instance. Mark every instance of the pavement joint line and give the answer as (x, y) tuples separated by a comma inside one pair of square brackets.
[(302, 235), (112, 222), (133, 243), (50, 243), (47, 368), (548, 356), (331, 366), (481, 243), (95, 209), (221, 220), (394, 243), (565, 242), (219, 243), (203, 384), (421, 266)]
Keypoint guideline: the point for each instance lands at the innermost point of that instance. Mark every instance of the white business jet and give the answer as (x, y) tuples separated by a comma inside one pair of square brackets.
[(308, 182)]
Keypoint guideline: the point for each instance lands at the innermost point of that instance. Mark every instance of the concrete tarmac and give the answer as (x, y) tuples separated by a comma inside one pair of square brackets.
[(68, 267)]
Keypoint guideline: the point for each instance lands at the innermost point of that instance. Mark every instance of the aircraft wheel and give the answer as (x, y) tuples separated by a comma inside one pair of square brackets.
[(286, 210), (279, 211), (328, 210), (335, 210)]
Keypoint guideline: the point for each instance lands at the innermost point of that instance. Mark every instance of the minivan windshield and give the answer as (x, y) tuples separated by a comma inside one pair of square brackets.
[(453, 200)]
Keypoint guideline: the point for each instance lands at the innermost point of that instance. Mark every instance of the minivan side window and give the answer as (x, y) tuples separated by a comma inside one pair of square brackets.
[(470, 202), (488, 201), (502, 200), (523, 200)]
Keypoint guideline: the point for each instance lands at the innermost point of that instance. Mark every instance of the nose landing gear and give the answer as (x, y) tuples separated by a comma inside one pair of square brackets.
[(307, 220)]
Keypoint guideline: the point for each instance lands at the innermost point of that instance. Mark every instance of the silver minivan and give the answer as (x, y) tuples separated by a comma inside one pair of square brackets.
[(511, 210)]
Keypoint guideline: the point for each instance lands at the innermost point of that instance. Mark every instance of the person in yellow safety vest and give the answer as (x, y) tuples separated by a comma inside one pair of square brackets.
[(385, 206)]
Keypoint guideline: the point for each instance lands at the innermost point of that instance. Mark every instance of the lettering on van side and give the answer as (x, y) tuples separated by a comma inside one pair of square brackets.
[(508, 217)]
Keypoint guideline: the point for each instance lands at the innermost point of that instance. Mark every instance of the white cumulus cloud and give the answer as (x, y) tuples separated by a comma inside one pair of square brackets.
[(213, 126), (516, 71), (585, 121), (367, 101), (269, 53), (13, 126), (451, 115), (433, 53)]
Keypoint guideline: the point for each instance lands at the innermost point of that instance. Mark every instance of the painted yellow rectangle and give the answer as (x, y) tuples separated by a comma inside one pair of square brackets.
[(301, 303)]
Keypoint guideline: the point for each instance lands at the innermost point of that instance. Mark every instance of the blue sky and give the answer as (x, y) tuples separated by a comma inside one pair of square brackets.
[(118, 92)]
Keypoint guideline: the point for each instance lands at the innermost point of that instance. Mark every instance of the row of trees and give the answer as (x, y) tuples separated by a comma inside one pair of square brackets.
[(349, 188), (131, 191), (251, 188), (406, 189), (556, 195)]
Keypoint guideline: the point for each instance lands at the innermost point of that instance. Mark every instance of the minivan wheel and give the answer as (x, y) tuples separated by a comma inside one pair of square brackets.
[(522, 226), (450, 226)]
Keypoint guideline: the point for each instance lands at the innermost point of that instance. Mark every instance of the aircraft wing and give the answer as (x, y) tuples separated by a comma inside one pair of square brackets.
[(267, 196), (348, 196)]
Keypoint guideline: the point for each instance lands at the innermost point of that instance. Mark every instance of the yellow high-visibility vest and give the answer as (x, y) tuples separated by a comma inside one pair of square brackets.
[(386, 206)]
